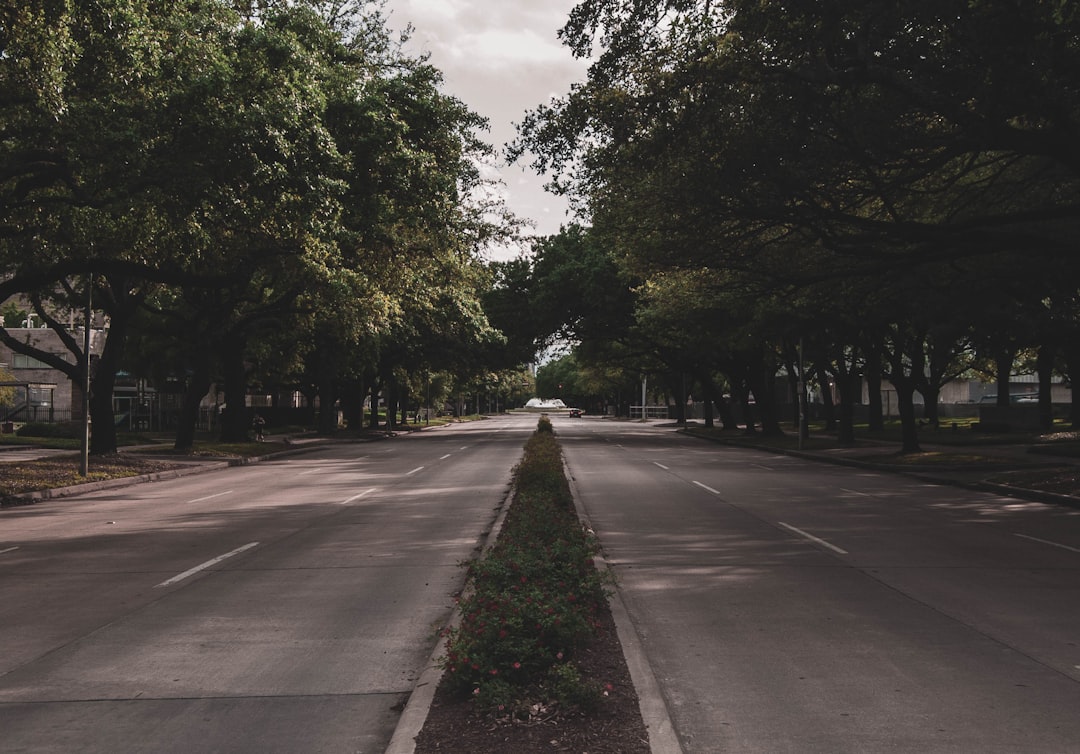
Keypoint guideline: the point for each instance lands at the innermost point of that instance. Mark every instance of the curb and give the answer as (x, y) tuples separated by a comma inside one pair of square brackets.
[(923, 474), (651, 702), (978, 485), (37, 496)]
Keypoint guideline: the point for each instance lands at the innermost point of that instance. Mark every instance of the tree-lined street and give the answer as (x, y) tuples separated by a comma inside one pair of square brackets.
[(784, 605)]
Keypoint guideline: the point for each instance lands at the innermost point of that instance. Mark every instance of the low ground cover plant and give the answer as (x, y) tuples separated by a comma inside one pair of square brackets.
[(533, 599)]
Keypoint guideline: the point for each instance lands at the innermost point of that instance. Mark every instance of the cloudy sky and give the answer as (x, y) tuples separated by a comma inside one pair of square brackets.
[(501, 58)]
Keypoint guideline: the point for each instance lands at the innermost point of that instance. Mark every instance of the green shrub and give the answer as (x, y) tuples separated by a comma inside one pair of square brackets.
[(69, 430), (566, 684), (534, 597)]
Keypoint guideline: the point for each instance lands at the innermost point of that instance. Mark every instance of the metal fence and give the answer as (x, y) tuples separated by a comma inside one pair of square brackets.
[(651, 412), (35, 414)]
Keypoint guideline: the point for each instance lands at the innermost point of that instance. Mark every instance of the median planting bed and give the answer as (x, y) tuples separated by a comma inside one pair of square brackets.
[(535, 663)]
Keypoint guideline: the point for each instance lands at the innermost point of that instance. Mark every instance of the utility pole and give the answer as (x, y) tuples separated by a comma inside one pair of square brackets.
[(804, 425), (84, 460)]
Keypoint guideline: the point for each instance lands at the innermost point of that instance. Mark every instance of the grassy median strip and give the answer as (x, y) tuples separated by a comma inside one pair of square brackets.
[(533, 600)]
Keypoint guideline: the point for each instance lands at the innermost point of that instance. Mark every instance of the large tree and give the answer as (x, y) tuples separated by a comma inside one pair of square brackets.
[(88, 170)]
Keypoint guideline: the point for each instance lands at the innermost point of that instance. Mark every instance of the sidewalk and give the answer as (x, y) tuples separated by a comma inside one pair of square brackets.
[(184, 465), (976, 475)]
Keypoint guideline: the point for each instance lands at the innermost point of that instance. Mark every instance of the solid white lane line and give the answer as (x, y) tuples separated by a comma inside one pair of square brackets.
[(1048, 542), (443, 458), (208, 564), (814, 539), (10, 549), (210, 497), (418, 468), (665, 468), (365, 493), (708, 488)]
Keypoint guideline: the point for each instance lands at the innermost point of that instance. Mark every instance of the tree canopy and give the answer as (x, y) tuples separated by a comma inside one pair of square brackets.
[(270, 190), (813, 159)]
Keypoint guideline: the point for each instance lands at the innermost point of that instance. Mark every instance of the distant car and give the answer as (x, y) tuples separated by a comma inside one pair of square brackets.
[(575, 413)]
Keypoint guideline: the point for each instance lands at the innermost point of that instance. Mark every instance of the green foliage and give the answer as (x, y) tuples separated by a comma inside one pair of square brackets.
[(65, 430), (565, 683), (8, 394), (278, 193), (532, 600), (12, 315), (893, 181)]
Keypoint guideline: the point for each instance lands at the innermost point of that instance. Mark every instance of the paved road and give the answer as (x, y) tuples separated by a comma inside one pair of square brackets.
[(281, 607), (785, 605), (793, 606)]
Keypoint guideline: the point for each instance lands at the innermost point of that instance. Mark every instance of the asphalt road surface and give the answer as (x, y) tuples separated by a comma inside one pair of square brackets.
[(286, 606), (794, 606), (785, 605)]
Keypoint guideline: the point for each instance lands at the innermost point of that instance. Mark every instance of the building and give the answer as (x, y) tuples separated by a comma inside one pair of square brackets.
[(40, 392)]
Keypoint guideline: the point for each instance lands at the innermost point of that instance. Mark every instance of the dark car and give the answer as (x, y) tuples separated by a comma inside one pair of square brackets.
[(575, 413)]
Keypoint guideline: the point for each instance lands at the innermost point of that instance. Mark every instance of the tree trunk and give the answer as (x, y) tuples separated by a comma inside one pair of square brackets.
[(102, 419), (197, 387), (678, 388), (328, 398), (763, 398), (793, 390), (847, 385), (743, 394), (1003, 363), (905, 379), (909, 426), (875, 409), (235, 421), (103, 436), (352, 403), (391, 402), (403, 403), (376, 388), (709, 390), (931, 395), (1072, 364)]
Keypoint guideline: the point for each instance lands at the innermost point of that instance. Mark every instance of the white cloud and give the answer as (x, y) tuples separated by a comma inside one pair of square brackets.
[(494, 47), (501, 59)]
